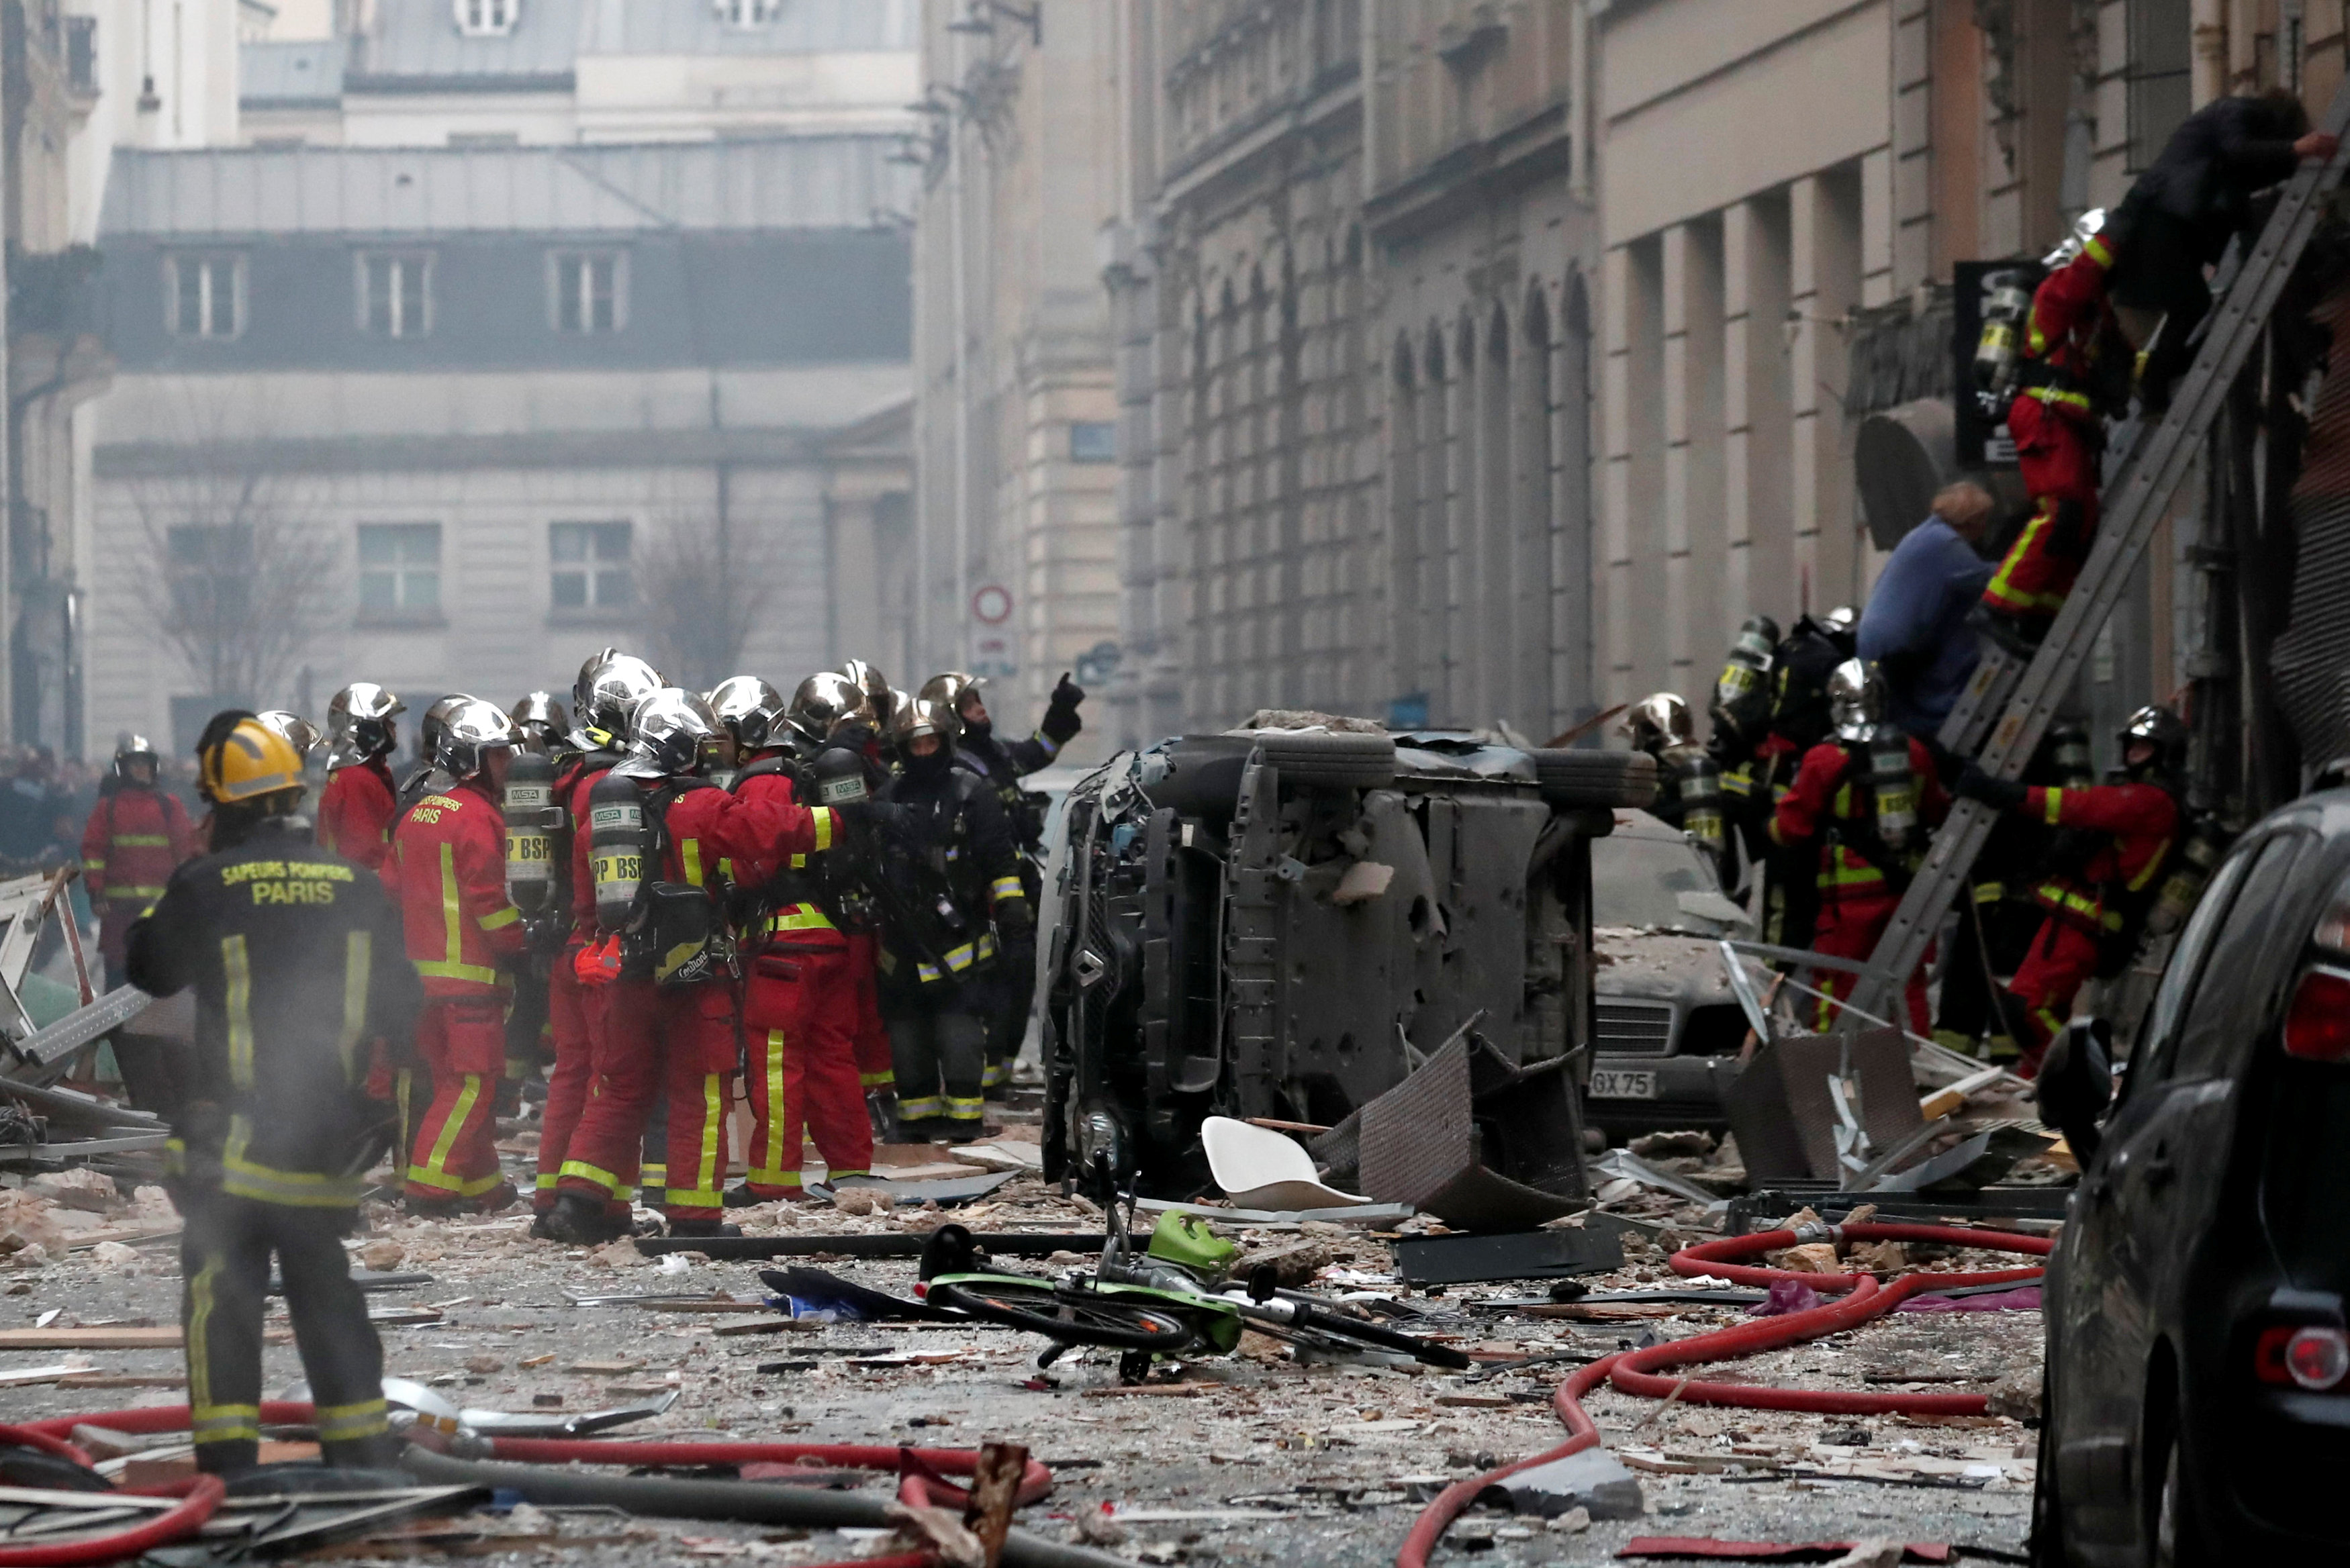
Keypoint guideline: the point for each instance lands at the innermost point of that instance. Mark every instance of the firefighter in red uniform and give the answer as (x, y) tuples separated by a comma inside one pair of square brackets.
[(2098, 894), (799, 995), (830, 710), (358, 806), (666, 997), (464, 932), (137, 836), (608, 685), (2075, 371), (1867, 794)]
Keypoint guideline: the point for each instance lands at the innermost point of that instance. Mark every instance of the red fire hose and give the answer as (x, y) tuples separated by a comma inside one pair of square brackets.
[(1862, 1300), (921, 1474), (199, 1496)]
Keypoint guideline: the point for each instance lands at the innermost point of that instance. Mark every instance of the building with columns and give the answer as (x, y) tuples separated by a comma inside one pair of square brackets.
[(1010, 571), (1785, 190), (1491, 359)]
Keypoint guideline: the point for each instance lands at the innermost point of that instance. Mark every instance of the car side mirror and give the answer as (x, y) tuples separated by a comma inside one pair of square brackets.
[(2076, 1084)]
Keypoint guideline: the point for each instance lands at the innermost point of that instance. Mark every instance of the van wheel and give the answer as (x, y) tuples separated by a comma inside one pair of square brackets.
[(1343, 759), (1620, 780)]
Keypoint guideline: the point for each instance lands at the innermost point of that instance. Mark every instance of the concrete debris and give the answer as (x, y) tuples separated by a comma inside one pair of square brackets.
[(1811, 1258), (1271, 1452), (78, 1187), (2016, 1396), (1594, 1481)]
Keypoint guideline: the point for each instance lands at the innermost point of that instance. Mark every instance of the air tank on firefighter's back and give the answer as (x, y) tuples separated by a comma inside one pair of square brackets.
[(615, 849), (530, 846), (1893, 786)]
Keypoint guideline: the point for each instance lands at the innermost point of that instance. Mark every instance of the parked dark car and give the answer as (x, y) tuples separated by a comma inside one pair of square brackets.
[(2197, 1393)]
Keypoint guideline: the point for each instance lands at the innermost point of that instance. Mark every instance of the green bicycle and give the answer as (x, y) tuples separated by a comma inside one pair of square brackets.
[(1172, 1298)]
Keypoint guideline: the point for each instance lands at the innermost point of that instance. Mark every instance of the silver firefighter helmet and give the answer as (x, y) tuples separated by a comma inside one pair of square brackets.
[(876, 687), (360, 723), (542, 720), (919, 716), (751, 710), (1657, 721), (299, 732), (824, 702), (610, 693), (949, 687), (671, 731), (468, 730), (1856, 700), (2086, 227)]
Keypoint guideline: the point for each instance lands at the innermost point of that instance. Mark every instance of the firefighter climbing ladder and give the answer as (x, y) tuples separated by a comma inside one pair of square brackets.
[(2135, 499)]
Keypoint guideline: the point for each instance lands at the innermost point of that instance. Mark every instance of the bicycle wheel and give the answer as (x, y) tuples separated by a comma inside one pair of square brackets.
[(1072, 1316)]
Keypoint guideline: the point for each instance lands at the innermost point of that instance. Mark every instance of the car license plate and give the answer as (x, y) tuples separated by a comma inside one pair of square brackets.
[(1615, 1084)]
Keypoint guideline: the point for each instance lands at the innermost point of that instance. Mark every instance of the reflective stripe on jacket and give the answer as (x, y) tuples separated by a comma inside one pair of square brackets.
[(451, 853)]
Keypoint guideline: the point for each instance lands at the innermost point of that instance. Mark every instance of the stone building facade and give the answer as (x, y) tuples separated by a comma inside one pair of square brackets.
[(1489, 360), (1011, 570), (457, 419)]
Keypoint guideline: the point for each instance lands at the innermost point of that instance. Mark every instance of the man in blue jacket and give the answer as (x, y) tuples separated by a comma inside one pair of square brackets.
[(1914, 628)]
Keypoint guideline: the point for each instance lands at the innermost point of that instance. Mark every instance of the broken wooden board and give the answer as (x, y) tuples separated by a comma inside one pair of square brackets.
[(158, 1338)]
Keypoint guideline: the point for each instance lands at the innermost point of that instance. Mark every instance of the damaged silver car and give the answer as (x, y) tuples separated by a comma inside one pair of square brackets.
[(1281, 923), (1667, 1028)]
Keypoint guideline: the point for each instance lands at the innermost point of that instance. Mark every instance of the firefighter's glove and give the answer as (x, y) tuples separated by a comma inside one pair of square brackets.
[(876, 816), (1061, 722), (2000, 795), (599, 962), (1014, 916)]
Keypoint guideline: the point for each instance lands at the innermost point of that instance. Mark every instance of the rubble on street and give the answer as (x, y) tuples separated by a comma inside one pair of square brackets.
[(1260, 1455)]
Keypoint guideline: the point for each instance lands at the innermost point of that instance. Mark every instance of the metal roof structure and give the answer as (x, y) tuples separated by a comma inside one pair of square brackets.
[(415, 45), (307, 72), (797, 26), (842, 181)]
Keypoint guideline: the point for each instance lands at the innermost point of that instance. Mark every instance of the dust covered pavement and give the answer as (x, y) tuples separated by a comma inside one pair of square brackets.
[(1256, 1457)]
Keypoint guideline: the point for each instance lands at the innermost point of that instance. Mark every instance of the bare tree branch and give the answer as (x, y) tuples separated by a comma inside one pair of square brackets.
[(703, 585), (239, 585)]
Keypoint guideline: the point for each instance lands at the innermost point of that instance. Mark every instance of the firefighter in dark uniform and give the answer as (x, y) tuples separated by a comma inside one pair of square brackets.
[(951, 870), (1739, 713), (1004, 764), (299, 969), (1689, 786), (1799, 720)]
